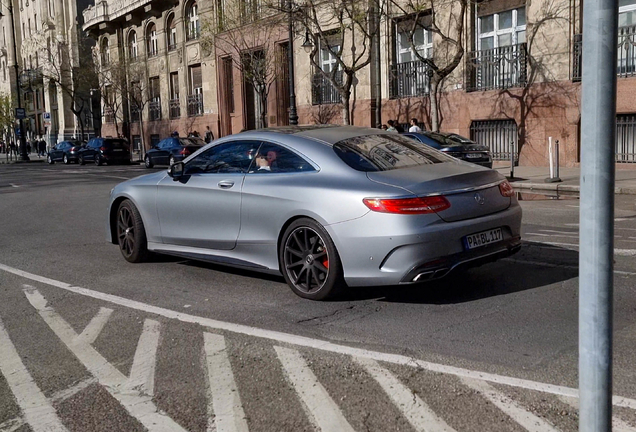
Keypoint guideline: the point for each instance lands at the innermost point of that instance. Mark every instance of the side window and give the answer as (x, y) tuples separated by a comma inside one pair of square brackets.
[(232, 157), (274, 158)]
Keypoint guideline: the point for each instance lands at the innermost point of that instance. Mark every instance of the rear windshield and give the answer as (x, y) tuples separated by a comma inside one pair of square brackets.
[(386, 152), (451, 139), (116, 143), (192, 141)]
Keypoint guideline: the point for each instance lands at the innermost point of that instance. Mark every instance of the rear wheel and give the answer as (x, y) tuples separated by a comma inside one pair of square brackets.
[(49, 159), (98, 160), (171, 161), (65, 160), (131, 234), (148, 162), (80, 160), (310, 262)]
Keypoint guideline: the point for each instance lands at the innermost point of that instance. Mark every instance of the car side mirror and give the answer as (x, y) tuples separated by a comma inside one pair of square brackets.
[(176, 170)]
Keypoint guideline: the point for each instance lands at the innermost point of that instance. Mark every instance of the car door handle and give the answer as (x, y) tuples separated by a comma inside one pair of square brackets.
[(226, 184)]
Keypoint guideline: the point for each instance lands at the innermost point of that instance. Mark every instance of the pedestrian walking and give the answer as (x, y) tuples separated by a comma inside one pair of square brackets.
[(42, 148), (391, 127), (208, 135)]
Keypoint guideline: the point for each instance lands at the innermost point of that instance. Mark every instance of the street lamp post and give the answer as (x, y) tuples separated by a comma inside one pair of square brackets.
[(293, 113), (23, 153)]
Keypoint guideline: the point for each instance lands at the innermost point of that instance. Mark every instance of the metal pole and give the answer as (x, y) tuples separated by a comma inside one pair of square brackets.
[(512, 159), (293, 114), (596, 266), (23, 152)]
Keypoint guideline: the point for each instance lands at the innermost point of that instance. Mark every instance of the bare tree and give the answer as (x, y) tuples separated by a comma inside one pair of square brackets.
[(247, 33), (342, 30), (445, 20)]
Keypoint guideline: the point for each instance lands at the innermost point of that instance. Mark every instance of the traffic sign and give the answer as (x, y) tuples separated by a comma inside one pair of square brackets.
[(20, 113), (46, 116)]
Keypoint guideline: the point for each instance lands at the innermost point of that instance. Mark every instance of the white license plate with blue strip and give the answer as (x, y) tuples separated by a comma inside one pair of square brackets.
[(483, 238)]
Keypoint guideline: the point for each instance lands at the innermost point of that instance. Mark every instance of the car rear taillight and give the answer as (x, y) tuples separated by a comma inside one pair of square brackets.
[(185, 152), (506, 189), (102, 148), (422, 205)]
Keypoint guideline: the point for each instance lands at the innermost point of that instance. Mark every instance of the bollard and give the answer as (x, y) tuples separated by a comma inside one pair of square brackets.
[(554, 171), (512, 160)]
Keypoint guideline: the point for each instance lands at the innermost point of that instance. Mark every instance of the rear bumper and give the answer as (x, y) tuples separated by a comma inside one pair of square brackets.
[(381, 249)]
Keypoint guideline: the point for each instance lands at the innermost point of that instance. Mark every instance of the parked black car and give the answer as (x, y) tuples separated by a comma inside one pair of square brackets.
[(105, 150), (455, 145), (65, 151), (171, 150)]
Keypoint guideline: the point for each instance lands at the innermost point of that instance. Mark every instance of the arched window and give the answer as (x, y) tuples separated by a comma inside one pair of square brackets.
[(152, 46), (171, 34), (105, 51), (132, 45), (192, 21)]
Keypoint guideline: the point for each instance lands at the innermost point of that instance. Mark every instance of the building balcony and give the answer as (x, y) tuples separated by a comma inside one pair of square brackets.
[(497, 68), (154, 109), (105, 13), (175, 108), (195, 105), (323, 91), (409, 79), (172, 46), (626, 54)]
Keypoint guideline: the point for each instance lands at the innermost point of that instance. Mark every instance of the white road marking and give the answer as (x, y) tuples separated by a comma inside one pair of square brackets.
[(564, 266), (618, 425), (14, 185), (322, 411), (138, 405), (523, 417), (419, 415), (94, 328), (310, 342), (72, 391), (12, 425), (142, 372), (227, 410), (559, 232), (553, 235), (619, 252), (36, 409)]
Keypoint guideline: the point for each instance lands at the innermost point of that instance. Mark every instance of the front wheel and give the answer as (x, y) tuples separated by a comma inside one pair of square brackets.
[(65, 160), (131, 234), (49, 160), (80, 160), (98, 160), (310, 262), (171, 161), (148, 162)]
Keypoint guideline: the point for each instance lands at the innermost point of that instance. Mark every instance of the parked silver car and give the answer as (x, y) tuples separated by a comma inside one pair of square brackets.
[(326, 207)]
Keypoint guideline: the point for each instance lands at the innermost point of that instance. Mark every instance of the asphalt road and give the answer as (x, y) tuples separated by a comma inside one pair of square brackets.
[(90, 342)]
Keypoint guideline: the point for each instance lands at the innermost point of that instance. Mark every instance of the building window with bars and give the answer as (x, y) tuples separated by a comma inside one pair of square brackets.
[(626, 138), (500, 136), (195, 99), (175, 103), (154, 105), (323, 91), (500, 59), (409, 74)]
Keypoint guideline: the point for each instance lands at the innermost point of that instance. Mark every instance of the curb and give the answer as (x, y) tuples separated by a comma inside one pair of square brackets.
[(568, 189)]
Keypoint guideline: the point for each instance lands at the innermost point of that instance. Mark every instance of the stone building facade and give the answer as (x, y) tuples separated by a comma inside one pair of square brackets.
[(516, 86)]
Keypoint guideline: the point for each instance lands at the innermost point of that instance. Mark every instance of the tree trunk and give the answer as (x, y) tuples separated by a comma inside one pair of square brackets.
[(434, 106), (346, 114), (262, 101)]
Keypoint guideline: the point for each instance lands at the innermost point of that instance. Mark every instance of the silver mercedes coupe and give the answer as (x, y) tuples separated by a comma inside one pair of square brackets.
[(325, 206)]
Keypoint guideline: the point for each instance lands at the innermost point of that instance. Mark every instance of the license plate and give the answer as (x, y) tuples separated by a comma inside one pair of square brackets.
[(483, 238), (117, 149), (473, 155)]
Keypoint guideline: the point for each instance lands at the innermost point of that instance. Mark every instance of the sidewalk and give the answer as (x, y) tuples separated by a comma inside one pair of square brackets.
[(533, 178)]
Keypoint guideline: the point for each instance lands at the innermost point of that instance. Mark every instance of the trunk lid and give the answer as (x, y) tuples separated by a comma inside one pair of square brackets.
[(472, 191)]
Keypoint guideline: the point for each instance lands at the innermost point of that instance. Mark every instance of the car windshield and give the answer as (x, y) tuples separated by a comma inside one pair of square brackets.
[(385, 152)]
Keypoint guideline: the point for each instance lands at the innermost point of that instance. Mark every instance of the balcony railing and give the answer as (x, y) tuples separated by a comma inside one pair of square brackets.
[(323, 91), (172, 46), (195, 104), (154, 109), (409, 79), (109, 115), (626, 54), (497, 68), (193, 33), (175, 108)]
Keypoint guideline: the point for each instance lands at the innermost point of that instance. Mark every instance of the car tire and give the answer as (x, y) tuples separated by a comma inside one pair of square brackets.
[(171, 161), (98, 160), (65, 160), (80, 160), (148, 162), (309, 261), (131, 234), (49, 160)]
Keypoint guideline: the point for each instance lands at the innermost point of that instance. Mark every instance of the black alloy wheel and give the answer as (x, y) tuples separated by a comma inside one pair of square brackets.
[(49, 160), (171, 161), (131, 234), (80, 160), (98, 160), (309, 261), (148, 162), (65, 159)]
